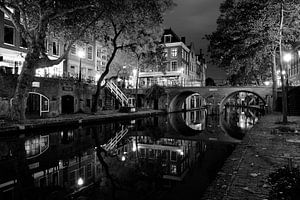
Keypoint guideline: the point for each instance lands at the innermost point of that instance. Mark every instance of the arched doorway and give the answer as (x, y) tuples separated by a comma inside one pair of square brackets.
[(36, 105), (67, 104)]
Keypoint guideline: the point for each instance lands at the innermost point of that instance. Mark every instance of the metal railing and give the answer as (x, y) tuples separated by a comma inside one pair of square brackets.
[(114, 89), (114, 141)]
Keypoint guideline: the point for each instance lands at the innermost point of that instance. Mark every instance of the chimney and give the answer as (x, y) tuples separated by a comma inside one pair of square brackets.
[(183, 39)]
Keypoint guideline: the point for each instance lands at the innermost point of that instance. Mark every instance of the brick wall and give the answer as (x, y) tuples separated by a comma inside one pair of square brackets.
[(52, 88)]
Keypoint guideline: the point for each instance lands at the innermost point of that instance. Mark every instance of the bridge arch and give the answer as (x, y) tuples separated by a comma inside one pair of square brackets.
[(260, 101), (178, 100)]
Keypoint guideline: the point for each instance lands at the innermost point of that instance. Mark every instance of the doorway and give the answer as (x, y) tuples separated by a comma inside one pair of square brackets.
[(67, 104)]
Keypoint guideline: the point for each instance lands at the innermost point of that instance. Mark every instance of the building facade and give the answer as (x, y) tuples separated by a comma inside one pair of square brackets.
[(183, 66)]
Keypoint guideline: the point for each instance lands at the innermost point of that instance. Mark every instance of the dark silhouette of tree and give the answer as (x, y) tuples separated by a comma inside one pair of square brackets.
[(154, 93), (134, 25)]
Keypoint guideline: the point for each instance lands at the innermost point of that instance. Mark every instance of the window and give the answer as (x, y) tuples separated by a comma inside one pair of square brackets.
[(90, 52), (98, 52), (174, 52), (46, 45), (89, 170), (11, 10), (167, 38), (166, 53), (174, 66), (55, 48), (88, 102), (173, 156), (104, 57), (98, 65), (9, 35), (73, 49)]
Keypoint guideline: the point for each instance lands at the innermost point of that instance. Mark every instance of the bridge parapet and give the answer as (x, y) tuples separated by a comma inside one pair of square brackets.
[(214, 95)]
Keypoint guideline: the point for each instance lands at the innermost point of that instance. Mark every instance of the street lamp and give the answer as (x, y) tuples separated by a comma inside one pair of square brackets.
[(124, 71), (285, 58), (80, 54)]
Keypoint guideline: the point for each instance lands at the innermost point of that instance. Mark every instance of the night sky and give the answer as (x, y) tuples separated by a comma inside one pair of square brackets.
[(194, 19)]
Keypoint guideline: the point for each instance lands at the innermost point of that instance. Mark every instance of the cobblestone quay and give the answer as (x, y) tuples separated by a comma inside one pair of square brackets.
[(244, 174)]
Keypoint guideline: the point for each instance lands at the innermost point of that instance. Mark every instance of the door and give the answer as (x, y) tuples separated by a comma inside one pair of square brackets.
[(33, 105), (67, 104)]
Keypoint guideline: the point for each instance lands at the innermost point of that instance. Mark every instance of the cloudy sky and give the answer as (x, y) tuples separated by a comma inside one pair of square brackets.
[(194, 19)]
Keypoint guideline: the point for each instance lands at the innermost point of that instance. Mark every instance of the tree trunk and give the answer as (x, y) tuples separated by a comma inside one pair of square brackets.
[(274, 79), (19, 101), (96, 98), (284, 91)]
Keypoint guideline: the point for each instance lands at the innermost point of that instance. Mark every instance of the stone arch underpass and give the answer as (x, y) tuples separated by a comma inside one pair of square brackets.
[(220, 95)]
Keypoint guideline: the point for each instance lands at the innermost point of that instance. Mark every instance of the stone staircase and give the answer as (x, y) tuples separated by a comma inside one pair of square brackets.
[(110, 145), (117, 93)]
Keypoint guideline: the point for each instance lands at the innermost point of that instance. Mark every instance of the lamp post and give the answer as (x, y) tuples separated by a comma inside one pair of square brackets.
[(80, 54), (284, 59), (136, 73), (124, 71)]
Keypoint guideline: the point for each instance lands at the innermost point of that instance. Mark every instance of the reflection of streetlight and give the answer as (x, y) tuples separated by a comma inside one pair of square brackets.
[(80, 54), (80, 181)]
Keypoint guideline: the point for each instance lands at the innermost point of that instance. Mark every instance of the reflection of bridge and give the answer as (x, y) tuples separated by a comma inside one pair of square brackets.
[(217, 96)]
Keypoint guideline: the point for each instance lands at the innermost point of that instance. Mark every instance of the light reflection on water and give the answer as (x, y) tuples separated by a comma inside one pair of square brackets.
[(146, 155)]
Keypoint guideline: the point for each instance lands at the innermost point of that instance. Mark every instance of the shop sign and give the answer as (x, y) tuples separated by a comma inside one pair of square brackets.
[(36, 84)]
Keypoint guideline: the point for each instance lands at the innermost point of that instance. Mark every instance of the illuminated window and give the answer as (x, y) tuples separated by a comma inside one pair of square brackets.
[(173, 169), (32, 147), (166, 52), (174, 66), (98, 52), (90, 52), (73, 49), (98, 65), (174, 52)]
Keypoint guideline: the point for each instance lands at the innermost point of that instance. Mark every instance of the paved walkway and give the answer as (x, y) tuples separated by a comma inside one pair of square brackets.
[(261, 152), (79, 118)]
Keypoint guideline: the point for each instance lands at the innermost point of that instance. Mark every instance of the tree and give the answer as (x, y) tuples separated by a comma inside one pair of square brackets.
[(154, 93), (35, 20), (111, 19), (134, 24), (251, 30)]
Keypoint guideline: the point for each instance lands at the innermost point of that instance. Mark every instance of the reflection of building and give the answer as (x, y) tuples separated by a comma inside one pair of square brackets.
[(183, 66), (195, 119), (173, 157), (55, 161)]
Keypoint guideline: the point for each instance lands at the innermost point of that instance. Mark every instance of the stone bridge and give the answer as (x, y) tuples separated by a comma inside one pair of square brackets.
[(176, 96)]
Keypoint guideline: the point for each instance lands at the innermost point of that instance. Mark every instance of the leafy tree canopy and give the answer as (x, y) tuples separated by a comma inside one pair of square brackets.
[(247, 33)]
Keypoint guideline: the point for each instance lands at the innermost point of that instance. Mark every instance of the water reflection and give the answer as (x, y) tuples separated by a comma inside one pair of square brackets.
[(143, 155)]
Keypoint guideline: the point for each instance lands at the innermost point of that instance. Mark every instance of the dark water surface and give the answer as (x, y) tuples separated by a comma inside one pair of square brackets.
[(171, 156)]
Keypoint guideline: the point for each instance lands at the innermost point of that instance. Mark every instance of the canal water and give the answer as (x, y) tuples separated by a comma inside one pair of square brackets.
[(172, 156)]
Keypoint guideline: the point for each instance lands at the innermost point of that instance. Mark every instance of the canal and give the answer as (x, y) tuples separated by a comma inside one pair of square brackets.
[(172, 156)]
